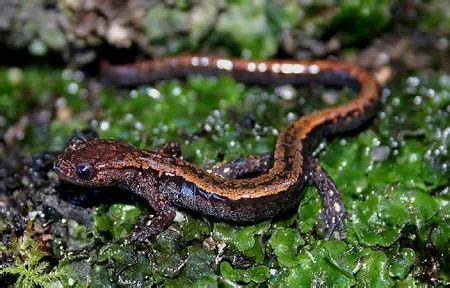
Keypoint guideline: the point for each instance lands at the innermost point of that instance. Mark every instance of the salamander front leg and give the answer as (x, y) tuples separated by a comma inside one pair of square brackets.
[(333, 212), (239, 168), (165, 214)]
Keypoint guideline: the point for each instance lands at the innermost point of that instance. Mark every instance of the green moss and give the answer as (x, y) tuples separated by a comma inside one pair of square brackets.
[(198, 106), (360, 20), (29, 265), (324, 263), (242, 238), (43, 90), (195, 229), (220, 119), (436, 16), (256, 26), (257, 274), (162, 24), (402, 263), (286, 243), (197, 270), (118, 219), (374, 272)]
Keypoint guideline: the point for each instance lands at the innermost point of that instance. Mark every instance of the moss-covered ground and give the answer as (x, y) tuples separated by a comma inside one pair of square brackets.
[(394, 172)]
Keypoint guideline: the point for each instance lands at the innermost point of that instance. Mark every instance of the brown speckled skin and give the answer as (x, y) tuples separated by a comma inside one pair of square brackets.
[(166, 181)]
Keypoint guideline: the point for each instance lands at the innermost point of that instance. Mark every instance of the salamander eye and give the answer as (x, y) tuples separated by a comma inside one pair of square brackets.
[(84, 171)]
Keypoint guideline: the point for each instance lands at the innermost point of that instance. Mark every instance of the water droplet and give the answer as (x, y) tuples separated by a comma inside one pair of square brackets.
[(153, 93), (396, 101), (129, 117), (376, 141), (291, 116), (72, 88), (417, 100), (385, 92), (330, 97), (380, 154), (104, 125), (207, 127), (78, 76), (67, 74), (286, 92), (176, 91), (15, 75), (133, 93), (60, 102), (413, 81), (413, 157), (139, 126), (430, 93)]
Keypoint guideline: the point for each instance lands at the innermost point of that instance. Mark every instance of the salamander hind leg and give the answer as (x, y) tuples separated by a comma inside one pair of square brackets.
[(333, 212), (240, 168)]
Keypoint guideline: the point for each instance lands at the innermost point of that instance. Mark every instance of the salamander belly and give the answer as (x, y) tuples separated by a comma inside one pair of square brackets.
[(190, 196)]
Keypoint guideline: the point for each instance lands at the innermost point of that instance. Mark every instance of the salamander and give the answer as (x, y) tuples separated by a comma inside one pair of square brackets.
[(245, 190)]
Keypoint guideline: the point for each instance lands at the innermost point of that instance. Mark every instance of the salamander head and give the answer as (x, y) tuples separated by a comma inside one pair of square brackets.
[(96, 162)]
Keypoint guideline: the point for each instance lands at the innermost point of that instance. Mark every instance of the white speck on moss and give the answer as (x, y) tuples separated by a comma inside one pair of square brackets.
[(118, 35)]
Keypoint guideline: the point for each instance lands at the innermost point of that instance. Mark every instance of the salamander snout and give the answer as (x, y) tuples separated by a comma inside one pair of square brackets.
[(68, 171), (57, 167)]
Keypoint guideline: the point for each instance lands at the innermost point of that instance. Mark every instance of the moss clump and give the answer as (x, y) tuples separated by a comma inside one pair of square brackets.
[(30, 266)]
